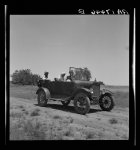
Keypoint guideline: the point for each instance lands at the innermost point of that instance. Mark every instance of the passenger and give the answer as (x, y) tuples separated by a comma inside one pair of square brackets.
[(62, 77), (68, 78)]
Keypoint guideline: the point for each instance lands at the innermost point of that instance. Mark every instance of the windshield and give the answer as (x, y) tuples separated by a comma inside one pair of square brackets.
[(78, 74)]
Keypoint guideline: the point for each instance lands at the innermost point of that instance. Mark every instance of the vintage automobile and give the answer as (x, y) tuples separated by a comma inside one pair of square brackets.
[(82, 93)]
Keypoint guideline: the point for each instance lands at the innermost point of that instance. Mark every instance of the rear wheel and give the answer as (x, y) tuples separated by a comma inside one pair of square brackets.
[(82, 103), (42, 100), (106, 102)]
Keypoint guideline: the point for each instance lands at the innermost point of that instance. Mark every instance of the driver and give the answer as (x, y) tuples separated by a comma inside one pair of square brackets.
[(46, 75)]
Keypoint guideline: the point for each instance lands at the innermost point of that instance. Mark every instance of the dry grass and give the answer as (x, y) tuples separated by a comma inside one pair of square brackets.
[(35, 112), (113, 121), (69, 132), (26, 112), (21, 106), (27, 130), (54, 128), (57, 117), (34, 130), (16, 114), (90, 135), (70, 119)]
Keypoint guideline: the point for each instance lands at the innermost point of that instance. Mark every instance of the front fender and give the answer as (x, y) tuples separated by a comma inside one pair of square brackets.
[(83, 90), (104, 91)]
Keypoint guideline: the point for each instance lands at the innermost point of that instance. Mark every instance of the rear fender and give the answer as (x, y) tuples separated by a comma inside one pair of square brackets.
[(47, 92)]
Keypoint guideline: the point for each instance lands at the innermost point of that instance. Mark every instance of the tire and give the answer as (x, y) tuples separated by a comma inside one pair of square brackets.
[(65, 103), (83, 100), (42, 100), (106, 102)]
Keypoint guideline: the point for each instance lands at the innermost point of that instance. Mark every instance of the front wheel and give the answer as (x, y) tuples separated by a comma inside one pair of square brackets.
[(82, 103), (106, 102)]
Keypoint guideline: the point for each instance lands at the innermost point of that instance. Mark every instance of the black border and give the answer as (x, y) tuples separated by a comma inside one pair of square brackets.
[(65, 11), (8, 72), (3, 119)]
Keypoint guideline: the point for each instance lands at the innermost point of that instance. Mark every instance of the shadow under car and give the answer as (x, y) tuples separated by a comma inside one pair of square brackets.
[(67, 108)]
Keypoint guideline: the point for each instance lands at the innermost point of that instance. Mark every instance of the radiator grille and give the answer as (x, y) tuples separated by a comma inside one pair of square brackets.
[(96, 90)]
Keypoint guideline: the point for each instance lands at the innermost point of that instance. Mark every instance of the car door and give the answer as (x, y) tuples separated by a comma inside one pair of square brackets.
[(67, 88), (56, 88), (62, 88)]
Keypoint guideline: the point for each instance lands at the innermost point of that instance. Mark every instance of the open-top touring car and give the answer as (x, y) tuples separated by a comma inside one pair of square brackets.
[(82, 93)]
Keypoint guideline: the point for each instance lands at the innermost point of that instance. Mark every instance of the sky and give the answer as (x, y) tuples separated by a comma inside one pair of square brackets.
[(54, 43)]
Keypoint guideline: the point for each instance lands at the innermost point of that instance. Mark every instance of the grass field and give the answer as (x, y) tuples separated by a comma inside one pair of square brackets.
[(28, 121), (26, 91)]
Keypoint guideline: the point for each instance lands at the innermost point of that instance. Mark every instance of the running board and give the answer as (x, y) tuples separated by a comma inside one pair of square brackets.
[(54, 99), (58, 99)]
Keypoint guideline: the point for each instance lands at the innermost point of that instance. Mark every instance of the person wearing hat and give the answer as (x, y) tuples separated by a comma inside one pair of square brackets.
[(46, 75), (62, 76)]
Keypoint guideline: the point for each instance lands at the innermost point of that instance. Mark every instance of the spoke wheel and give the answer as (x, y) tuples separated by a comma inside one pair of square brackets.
[(106, 102), (82, 103)]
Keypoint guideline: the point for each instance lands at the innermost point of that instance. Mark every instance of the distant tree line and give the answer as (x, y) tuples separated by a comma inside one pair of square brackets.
[(25, 77)]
